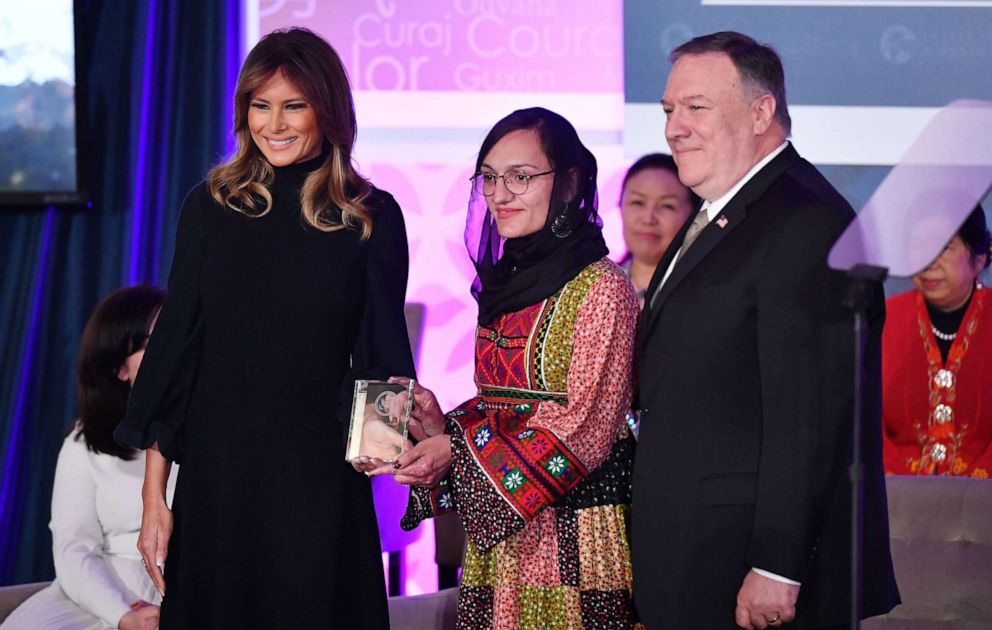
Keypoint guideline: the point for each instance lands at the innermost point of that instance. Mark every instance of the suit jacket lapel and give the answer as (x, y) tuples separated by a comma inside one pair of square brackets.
[(730, 217), (649, 312)]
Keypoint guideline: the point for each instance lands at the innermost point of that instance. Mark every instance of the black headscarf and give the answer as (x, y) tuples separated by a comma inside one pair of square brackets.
[(518, 272)]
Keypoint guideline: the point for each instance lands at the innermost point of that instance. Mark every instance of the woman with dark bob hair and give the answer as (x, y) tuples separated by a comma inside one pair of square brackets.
[(537, 464), (96, 510), (288, 283), (937, 364)]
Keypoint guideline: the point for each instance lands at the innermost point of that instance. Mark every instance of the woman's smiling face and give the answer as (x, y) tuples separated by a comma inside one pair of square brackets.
[(282, 123), (527, 213)]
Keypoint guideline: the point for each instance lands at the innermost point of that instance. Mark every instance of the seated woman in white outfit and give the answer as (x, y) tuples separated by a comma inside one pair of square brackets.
[(96, 500)]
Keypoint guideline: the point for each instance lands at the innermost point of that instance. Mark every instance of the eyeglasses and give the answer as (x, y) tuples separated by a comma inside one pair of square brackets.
[(516, 181)]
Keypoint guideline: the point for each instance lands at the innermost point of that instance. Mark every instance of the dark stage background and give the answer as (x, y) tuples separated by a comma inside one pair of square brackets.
[(154, 80)]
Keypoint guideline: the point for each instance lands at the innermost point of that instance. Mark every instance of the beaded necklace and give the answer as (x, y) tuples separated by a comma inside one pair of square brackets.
[(942, 335), (941, 438)]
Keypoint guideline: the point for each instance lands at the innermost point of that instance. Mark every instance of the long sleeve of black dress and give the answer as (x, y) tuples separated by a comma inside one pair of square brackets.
[(157, 404), (382, 347)]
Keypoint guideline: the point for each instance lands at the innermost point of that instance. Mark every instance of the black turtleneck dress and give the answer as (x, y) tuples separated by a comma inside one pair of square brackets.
[(246, 383)]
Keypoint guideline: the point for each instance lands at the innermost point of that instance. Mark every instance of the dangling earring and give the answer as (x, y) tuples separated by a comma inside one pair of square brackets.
[(560, 226)]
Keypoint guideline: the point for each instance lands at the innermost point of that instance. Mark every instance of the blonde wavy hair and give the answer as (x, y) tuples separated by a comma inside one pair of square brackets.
[(332, 197)]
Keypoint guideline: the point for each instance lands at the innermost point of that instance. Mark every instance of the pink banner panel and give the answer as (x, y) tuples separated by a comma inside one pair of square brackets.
[(466, 45)]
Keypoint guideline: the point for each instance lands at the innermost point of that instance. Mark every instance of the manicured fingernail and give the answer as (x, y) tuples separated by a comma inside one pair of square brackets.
[(396, 464)]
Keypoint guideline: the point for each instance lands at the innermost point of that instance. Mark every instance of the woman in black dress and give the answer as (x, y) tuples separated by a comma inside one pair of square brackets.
[(288, 283)]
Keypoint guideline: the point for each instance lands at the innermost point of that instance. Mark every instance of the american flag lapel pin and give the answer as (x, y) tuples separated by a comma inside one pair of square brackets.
[(722, 222)]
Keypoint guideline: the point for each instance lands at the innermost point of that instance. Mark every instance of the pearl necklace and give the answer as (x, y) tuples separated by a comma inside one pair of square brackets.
[(950, 336), (942, 335)]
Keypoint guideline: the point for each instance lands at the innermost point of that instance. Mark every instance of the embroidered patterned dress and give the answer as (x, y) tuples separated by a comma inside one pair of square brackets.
[(937, 414), (541, 463)]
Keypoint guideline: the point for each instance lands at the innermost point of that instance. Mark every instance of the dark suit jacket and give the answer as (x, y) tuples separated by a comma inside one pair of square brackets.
[(747, 386)]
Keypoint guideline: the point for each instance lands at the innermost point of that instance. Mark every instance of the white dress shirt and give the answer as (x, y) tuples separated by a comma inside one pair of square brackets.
[(714, 208)]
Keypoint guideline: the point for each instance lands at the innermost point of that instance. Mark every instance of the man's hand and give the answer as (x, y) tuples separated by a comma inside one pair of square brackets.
[(765, 603)]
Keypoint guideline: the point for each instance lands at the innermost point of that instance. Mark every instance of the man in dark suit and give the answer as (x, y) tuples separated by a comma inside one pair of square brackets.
[(741, 512)]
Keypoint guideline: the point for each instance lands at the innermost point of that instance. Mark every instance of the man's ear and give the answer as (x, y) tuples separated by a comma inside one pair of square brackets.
[(763, 110)]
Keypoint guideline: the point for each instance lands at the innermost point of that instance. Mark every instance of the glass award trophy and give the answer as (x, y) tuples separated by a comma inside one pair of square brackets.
[(380, 416)]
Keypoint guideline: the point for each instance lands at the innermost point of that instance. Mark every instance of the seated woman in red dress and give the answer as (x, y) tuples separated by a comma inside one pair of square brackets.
[(937, 364)]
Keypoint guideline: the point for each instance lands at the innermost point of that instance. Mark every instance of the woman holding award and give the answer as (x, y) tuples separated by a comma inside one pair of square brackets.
[(538, 463), (288, 283)]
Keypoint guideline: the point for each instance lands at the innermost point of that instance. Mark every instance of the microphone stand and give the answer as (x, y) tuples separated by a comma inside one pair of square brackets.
[(865, 280)]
